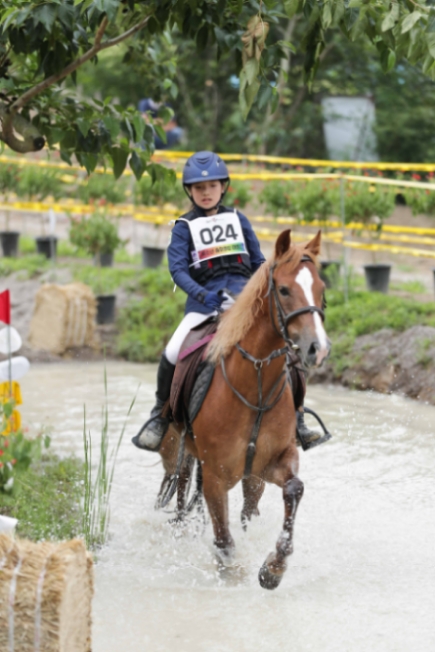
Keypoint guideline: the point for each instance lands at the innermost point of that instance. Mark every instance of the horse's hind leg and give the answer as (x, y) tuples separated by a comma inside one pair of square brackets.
[(216, 496), (183, 486), (273, 569), (253, 488)]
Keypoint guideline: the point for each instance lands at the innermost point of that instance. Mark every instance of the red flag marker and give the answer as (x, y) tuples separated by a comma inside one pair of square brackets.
[(5, 307)]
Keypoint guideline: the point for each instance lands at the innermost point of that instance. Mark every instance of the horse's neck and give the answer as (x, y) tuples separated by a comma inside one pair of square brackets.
[(262, 339)]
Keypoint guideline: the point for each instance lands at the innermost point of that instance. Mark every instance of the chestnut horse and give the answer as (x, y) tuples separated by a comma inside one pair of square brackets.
[(246, 427)]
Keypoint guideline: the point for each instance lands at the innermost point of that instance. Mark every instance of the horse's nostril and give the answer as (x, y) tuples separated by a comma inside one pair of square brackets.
[(312, 351)]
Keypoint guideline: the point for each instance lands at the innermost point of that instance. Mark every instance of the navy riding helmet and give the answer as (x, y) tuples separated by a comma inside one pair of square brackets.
[(205, 166)]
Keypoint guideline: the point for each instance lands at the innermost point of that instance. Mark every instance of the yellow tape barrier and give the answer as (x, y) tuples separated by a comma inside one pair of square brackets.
[(159, 216), (252, 158), (317, 163)]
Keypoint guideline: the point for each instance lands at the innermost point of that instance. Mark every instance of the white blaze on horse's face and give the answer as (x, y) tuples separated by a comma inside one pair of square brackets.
[(305, 280)]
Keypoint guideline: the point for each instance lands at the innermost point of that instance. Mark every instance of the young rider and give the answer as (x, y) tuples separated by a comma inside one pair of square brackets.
[(206, 255)]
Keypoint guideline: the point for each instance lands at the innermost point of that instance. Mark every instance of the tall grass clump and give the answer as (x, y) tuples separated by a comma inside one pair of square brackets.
[(98, 483)]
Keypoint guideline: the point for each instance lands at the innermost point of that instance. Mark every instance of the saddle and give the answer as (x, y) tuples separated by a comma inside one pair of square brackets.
[(193, 375)]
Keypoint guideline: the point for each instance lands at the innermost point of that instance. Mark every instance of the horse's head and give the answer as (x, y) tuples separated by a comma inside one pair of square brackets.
[(297, 292)]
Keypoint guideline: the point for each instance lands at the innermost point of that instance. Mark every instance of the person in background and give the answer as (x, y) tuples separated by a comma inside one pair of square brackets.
[(173, 131)]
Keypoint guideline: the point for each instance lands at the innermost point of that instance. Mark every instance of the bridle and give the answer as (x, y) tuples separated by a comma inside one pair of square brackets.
[(292, 358), (285, 318)]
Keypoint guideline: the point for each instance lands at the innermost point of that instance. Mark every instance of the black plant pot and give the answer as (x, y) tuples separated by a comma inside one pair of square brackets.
[(104, 260), (106, 308), (152, 256), (330, 272), (47, 246), (377, 277), (9, 242)]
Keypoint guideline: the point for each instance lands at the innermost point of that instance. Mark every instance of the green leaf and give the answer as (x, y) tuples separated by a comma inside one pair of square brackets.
[(112, 125), (291, 7), (137, 165), (251, 68), (287, 44), (410, 21), (391, 18), (264, 96), (275, 100), (45, 14), (160, 132), (139, 126), (326, 15), (391, 60), (88, 160), (119, 158), (430, 40), (250, 95), (84, 126)]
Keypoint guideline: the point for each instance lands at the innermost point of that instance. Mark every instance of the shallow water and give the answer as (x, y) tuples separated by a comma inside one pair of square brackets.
[(363, 572)]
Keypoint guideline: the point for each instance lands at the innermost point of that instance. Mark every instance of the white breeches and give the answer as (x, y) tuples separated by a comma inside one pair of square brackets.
[(189, 321)]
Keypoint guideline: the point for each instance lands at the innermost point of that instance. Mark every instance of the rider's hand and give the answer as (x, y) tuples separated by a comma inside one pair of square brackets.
[(213, 300)]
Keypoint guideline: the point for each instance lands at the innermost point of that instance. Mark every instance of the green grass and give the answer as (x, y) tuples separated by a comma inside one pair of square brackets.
[(46, 499), (413, 287), (146, 325), (122, 256), (368, 312), (104, 280), (30, 265)]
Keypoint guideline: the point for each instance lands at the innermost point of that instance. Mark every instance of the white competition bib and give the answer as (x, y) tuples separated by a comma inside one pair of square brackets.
[(216, 235)]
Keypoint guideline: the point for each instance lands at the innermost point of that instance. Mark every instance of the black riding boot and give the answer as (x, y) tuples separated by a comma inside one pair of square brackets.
[(150, 436), (306, 437)]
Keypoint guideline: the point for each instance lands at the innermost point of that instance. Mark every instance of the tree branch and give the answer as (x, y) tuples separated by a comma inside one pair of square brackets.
[(97, 47), (9, 116)]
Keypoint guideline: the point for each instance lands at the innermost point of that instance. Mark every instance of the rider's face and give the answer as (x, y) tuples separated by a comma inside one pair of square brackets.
[(206, 193)]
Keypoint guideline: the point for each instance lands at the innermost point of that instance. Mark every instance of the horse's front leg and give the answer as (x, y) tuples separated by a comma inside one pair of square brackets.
[(273, 569), (253, 488), (216, 496)]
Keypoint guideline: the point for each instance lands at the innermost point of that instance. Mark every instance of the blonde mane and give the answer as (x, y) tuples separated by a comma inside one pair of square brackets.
[(239, 319)]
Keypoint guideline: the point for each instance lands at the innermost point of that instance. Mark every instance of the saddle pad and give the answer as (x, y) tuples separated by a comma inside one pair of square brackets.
[(191, 356)]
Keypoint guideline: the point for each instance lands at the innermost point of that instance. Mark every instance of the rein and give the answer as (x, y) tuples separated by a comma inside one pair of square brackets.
[(264, 406)]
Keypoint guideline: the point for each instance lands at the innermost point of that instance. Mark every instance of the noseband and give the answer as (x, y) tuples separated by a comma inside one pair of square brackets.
[(285, 318)]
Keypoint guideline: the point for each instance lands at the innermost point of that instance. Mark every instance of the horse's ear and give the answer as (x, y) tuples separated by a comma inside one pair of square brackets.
[(314, 245), (283, 243)]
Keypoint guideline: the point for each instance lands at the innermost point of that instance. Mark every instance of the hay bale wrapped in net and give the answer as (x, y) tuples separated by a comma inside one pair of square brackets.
[(45, 596), (63, 317)]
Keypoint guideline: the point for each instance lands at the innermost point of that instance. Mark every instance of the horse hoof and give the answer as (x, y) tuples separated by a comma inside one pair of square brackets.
[(267, 579), (225, 557)]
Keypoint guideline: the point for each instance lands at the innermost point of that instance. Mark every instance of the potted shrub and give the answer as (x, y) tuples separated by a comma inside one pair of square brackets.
[(37, 184), (96, 234), (8, 184), (316, 202), (163, 193), (102, 186), (371, 205)]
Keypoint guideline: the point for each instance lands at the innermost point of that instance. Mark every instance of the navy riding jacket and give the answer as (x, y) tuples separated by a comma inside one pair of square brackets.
[(179, 257)]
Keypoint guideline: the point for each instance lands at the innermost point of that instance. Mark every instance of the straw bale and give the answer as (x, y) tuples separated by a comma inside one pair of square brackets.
[(63, 316), (50, 608)]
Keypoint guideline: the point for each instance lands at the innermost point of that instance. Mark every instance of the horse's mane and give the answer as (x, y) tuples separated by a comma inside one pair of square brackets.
[(240, 318)]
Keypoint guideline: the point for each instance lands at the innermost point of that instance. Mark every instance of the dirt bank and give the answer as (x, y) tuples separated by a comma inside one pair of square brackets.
[(387, 362)]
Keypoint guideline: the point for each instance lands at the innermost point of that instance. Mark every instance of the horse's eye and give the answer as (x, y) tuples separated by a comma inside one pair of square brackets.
[(284, 291)]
